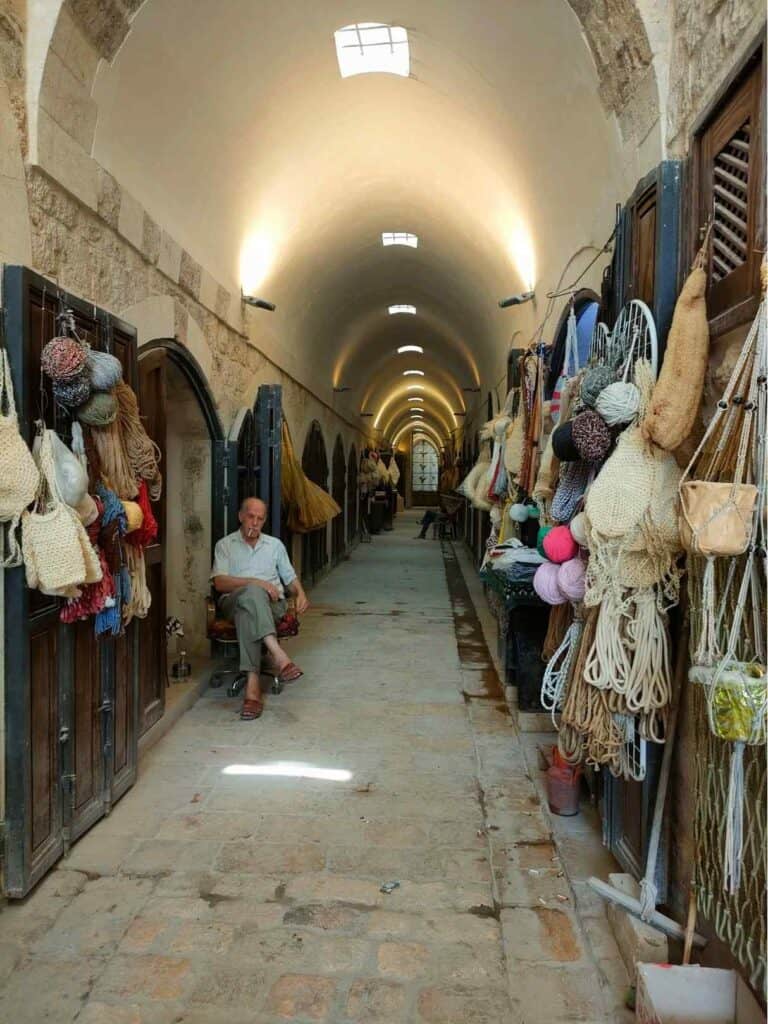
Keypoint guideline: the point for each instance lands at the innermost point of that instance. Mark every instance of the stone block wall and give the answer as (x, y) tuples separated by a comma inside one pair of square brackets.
[(710, 38)]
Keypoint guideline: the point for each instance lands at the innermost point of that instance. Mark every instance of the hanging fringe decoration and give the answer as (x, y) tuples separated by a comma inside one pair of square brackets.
[(138, 604)]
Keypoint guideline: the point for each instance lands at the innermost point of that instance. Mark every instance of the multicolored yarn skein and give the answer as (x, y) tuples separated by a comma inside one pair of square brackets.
[(591, 436), (63, 358), (594, 383), (72, 391)]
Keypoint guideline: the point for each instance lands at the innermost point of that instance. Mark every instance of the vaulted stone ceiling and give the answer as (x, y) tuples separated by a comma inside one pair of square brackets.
[(230, 122)]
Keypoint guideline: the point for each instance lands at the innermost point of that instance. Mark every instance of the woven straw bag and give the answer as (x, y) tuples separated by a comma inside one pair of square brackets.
[(58, 554), (19, 475)]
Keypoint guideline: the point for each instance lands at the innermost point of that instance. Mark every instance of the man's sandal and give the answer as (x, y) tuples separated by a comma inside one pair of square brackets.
[(251, 710), (289, 673)]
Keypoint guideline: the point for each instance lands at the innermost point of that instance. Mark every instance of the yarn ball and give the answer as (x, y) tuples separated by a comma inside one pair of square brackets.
[(72, 391), (591, 436), (518, 512), (562, 443), (134, 516), (572, 579), (533, 511), (105, 370), (594, 383), (543, 531), (619, 403), (63, 358), (559, 545), (578, 528), (546, 586), (100, 409)]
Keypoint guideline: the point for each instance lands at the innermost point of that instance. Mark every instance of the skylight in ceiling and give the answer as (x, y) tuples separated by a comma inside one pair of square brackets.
[(413, 398), (413, 373), (415, 387), (410, 348), (401, 309), (399, 238), (369, 47)]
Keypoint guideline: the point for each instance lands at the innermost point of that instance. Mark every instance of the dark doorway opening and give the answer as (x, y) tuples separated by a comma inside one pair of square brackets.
[(314, 462)]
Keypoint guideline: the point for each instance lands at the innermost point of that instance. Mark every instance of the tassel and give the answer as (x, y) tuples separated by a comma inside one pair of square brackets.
[(734, 821), (708, 650)]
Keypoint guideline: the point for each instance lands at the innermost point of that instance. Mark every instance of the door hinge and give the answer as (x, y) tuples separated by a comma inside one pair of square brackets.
[(64, 734), (105, 706)]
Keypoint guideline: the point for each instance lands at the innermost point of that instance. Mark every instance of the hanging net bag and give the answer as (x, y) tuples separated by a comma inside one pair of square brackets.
[(723, 524)]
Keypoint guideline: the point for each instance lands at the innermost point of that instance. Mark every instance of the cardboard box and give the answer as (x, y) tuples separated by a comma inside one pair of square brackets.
[(693, 995)]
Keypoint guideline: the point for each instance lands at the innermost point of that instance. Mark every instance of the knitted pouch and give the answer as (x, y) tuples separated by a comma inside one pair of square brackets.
[(19, 475)]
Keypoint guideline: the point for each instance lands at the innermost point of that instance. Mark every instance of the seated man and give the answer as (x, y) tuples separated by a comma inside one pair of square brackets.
[(252, 572), (429, 517)]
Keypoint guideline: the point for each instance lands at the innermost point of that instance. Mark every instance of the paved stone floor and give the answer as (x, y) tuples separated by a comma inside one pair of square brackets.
[(239, 881)]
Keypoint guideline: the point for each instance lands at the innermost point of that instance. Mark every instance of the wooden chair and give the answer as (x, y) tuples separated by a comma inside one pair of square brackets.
[(446, 525)]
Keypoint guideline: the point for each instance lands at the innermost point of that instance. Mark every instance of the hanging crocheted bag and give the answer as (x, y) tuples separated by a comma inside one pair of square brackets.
[(19, 475), (58, 554)]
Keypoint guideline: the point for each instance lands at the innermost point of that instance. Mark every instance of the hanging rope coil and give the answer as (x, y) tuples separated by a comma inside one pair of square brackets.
[(142, 454), (113, 459)]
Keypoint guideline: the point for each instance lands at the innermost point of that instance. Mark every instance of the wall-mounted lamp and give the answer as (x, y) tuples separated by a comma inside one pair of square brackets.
[(338, 391), (251, 300), (516, 300), (365, 414)]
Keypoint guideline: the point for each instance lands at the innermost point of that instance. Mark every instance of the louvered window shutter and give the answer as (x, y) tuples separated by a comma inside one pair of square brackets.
[(732, 196)]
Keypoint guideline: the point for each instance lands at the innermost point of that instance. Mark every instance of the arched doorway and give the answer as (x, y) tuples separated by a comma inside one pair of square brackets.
[(353, 501), (425, 472), (586, 306), (314, 462), (181, 418), (338, 491)]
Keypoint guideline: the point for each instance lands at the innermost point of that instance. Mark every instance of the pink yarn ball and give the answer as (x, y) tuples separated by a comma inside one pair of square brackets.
[(559, 545), (545, 584), (572, 579)]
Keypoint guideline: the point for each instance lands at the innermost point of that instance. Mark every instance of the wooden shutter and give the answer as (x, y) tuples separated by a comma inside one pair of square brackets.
[(731, 193)]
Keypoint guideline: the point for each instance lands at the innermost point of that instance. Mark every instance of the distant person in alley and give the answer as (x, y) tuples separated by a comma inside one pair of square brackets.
[(252, 573)]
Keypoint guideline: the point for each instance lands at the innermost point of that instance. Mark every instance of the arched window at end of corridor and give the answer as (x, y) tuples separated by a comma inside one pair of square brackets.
[(425, 472)]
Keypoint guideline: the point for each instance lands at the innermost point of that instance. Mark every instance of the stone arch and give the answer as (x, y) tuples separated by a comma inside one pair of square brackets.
[(183, 359), (162, 316), (616, 34)]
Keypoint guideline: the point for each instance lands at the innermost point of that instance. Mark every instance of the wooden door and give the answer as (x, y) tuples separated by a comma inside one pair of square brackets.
[(353, 497), (59, 740), (645, 268), (120, 695), (152, 664), (339, 494)]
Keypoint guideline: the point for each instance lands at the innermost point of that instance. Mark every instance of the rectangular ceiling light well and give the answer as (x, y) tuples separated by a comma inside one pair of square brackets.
[(410, 348), (401, 309), (399, 238), (369, 47)]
